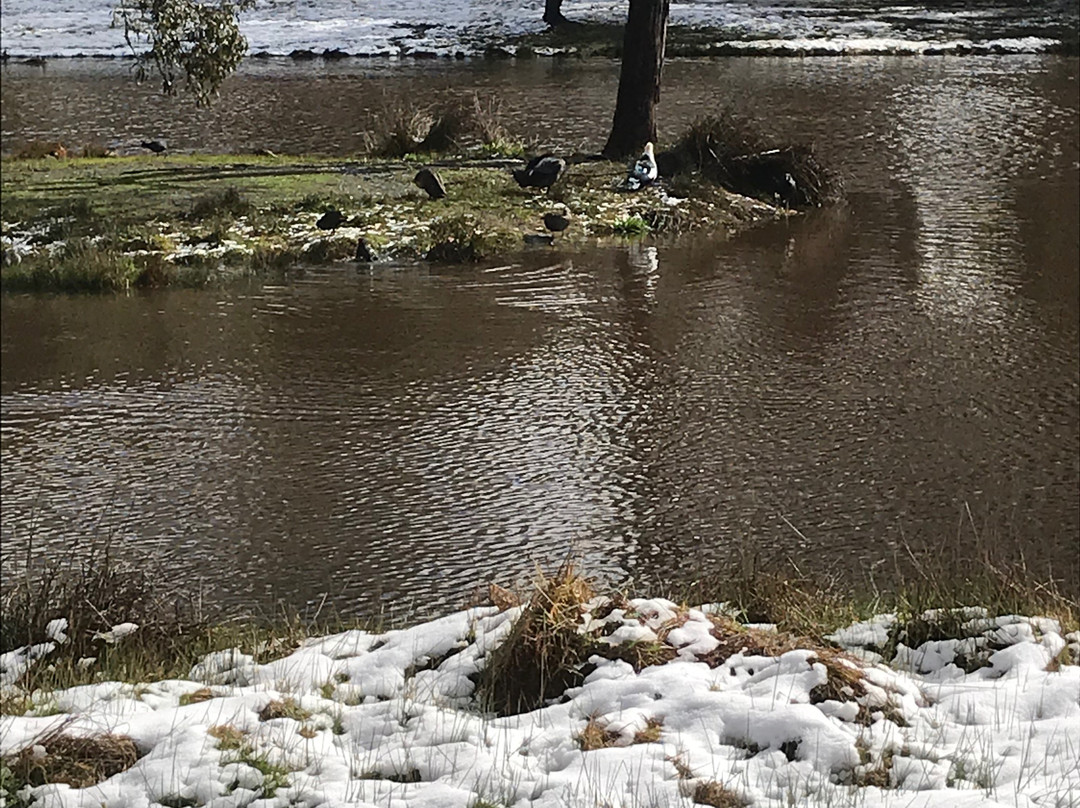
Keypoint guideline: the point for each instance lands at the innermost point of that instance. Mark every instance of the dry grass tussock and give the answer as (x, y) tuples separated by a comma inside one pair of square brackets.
[(710, 792), (227, 736), (450, 123), (283, 708), (77, 761), (594, 735), (729, 151), (547, 650), (94, 590), (544, 652)]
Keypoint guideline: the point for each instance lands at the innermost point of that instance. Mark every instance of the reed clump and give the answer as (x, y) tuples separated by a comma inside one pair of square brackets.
[(78, 761), (91, 592), (729, 151), (451, 123), (544, 653)]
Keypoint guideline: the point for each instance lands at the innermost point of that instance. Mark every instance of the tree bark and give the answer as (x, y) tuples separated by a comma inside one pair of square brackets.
[(634, 124), (553, 13)]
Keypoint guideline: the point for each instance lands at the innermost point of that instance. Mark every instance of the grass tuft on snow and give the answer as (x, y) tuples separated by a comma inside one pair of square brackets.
[(77, 761)]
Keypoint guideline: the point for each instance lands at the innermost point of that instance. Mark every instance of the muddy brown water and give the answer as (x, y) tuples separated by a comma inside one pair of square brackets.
[(900, 371)]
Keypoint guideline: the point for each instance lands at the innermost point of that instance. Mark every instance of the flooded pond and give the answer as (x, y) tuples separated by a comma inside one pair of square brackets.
[(902, 371)]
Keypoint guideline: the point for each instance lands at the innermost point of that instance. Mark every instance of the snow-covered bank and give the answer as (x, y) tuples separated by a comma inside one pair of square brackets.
[(404, 27), (393, 719)]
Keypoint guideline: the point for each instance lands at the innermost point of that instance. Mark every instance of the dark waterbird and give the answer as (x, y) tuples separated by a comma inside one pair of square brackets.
[(430, 182), (556, 222), (156, 146), (364, 254), (540, 172), (331, 220)]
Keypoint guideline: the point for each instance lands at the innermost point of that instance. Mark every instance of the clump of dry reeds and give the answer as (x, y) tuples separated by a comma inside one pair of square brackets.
[(94, 590), (448, 123), (77, 761), (399, 129), (544, 652), (731, 152)]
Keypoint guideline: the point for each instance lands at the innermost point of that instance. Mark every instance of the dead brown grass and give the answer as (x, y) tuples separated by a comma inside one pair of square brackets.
[(651, 733), (845, 673), (717, 795), (283, 708), (595, 735), (196, 697), (79, 762), (227, 736), (544, 652)]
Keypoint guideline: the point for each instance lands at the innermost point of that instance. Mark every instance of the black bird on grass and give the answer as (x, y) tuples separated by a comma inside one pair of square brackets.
[(156, 146), (431, 182), (540, 172), (331, 220), (556, 222)]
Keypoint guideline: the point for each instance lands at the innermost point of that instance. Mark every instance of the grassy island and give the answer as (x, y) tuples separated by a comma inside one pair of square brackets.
[(94, 222), (112, 223)]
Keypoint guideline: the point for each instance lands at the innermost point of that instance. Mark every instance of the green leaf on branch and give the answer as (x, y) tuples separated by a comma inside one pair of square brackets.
[(197, 42)]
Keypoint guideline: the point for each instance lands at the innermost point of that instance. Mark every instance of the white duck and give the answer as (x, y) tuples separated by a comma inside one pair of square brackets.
[(643, 171)]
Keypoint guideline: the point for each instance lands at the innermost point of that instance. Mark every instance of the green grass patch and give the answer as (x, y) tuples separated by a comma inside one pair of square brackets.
[(79, 265), (631, 226), (275, 777)]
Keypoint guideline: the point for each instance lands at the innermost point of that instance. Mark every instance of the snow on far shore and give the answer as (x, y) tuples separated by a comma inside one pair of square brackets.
[(59, 28), (390, 720)]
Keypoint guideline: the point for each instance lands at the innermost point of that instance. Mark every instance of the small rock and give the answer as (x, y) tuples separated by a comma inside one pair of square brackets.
[(539, 239), (431, 183)]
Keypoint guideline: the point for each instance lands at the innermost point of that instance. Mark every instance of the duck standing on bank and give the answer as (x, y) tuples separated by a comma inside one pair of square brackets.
[(540, 172), (643, 172)]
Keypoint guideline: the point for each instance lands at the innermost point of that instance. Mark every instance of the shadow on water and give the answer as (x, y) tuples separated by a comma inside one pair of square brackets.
[(898, 371)]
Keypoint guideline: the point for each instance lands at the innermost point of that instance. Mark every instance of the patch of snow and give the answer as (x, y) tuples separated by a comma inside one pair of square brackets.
[(55, 629), (117, 633), (399, 724)]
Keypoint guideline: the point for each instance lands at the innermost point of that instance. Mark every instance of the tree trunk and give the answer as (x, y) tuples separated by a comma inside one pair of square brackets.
[(553, 13), (639, 79)]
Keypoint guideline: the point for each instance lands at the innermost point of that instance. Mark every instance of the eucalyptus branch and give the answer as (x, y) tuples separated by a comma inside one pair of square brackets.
[(199, 42)]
